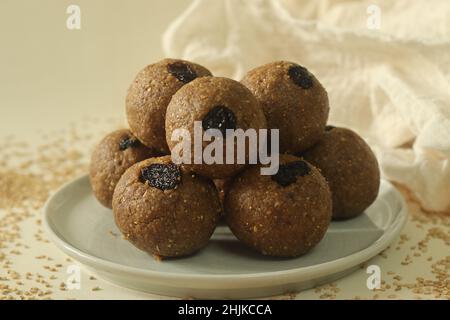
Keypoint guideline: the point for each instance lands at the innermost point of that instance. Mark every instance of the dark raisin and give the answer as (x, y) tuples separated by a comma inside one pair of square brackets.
[(300, 167), (329, 128), (288, 173), (300, 76), (182, 71), (128, 142), (161, 176), (219, 117)]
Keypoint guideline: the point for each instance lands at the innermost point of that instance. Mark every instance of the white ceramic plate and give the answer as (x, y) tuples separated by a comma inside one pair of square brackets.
[(83, 229)]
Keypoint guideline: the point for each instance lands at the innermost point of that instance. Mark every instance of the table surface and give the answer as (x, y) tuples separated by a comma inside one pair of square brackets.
[(61, 90)]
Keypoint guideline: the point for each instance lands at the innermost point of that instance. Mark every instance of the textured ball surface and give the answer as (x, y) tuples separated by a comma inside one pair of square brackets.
[(351, 169), (293, 101), (164, 210), (117, 152), (150, 93), (216, 103), (284, 215)]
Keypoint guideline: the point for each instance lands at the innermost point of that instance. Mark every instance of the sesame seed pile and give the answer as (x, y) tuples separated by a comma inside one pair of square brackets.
[(29, 173), (415, 266)]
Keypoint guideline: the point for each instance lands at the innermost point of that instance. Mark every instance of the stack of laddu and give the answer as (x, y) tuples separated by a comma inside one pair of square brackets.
[(171, 210)]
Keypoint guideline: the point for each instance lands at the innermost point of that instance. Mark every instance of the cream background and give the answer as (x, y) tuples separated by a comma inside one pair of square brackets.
[(51, 77)]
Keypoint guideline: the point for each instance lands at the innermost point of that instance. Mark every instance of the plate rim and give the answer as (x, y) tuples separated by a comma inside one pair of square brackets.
[(301, 273)]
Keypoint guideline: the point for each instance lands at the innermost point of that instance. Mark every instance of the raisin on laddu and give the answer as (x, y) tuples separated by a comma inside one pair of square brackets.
[(288, 173), (128, 142), (219, 117), (300, 76), (182, 71), (162, 176)]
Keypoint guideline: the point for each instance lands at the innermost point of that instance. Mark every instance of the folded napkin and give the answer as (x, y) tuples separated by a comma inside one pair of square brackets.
[(385, 65)]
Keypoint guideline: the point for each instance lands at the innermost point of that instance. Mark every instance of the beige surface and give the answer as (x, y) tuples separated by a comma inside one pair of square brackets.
[(50, 75), (61, 90)]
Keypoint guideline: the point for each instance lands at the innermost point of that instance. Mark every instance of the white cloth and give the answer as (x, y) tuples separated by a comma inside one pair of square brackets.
[(391, 85)]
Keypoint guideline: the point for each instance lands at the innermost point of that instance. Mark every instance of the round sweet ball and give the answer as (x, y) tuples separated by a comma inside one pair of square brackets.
[(293, 101), (165, 211), (150, 93), (283, 215), (114, 154), (213, 103), (351, 169)]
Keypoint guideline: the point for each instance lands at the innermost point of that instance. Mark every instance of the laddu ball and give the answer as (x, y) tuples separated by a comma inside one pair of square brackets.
[(116, 152), (164, 210), (351, 169), (293, 101), (150, 93), (283, 215), (214, 103)]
